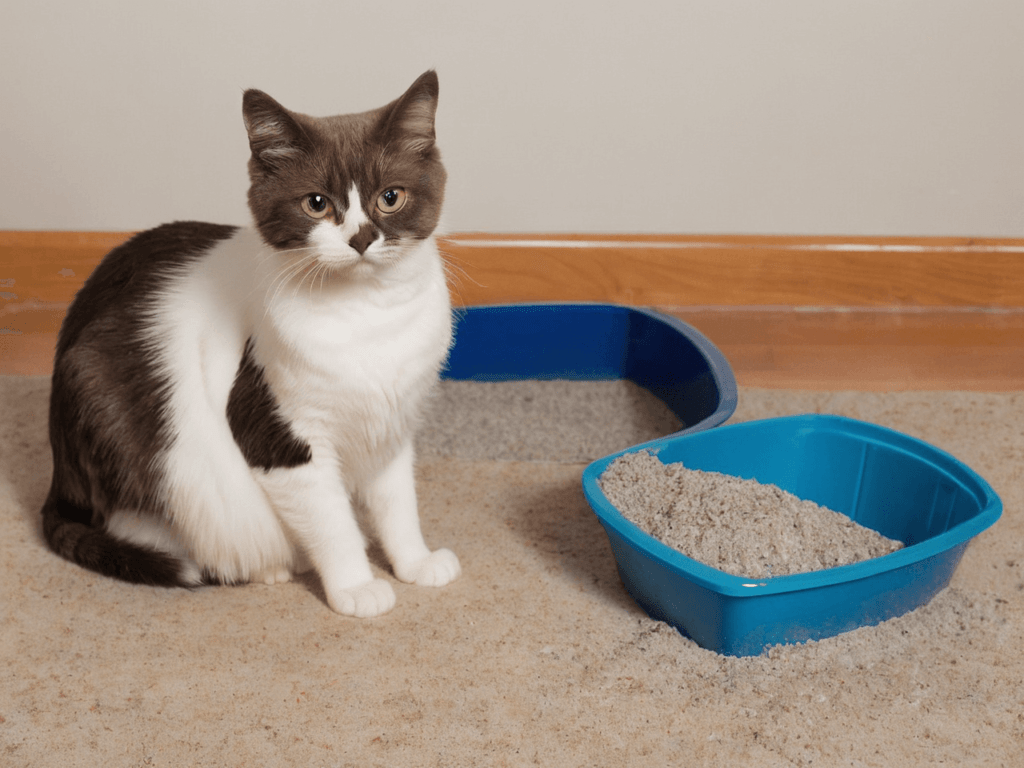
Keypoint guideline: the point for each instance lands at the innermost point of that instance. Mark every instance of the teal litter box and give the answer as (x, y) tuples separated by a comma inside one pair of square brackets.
[(901, 487)]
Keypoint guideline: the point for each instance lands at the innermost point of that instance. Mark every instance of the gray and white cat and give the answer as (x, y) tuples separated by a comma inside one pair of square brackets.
[(223, 398)]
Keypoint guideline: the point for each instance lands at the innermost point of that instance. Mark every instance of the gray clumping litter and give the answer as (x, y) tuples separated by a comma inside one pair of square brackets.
[(737, 526), (530, 420)]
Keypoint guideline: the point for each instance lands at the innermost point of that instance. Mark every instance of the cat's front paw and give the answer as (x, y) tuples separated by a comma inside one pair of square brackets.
[(371, 599), (278, 575), (435, 570)]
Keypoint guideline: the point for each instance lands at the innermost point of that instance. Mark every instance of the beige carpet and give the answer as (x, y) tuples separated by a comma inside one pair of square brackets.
[(536, 656)]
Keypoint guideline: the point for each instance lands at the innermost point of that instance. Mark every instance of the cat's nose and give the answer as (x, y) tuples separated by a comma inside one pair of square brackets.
[(361, 240)]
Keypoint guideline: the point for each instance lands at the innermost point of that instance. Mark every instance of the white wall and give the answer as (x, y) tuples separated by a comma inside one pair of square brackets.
[(789, 116)]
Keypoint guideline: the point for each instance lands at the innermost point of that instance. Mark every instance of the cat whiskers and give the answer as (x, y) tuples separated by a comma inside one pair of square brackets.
[(309, 257), (310, 266), (323, 270), (312, 269), (456, 273)]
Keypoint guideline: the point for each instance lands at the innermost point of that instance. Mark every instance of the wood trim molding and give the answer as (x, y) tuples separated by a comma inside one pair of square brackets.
[(46, 268), (740, 271)]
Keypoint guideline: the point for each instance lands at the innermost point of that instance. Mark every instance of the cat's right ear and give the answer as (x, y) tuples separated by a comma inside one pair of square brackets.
[(274, 136)]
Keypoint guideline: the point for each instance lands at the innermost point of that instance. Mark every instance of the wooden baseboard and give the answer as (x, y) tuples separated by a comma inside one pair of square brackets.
[(867, 349), (740, 270), (795, 312), (647, 270)]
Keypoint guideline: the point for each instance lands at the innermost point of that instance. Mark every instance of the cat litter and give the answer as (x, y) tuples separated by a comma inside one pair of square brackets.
[(737, 526), (902, 488)]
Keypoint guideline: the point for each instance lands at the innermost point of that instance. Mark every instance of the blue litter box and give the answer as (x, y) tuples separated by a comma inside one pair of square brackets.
[(897, 485), (672, 360)]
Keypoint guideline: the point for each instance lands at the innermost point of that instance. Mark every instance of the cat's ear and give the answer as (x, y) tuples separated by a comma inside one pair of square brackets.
[(274, 136), (411, 117)]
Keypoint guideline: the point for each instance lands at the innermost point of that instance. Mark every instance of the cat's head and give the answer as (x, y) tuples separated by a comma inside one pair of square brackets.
[(359, 190)]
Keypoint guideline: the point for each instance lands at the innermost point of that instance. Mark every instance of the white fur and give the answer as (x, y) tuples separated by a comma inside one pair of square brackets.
[(350, 346)]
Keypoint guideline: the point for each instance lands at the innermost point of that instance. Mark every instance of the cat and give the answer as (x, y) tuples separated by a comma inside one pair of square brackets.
[(225, 399)]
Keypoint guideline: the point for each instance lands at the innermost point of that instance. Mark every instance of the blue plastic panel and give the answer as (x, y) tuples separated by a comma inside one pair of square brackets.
[(539, 341), (594, 342)]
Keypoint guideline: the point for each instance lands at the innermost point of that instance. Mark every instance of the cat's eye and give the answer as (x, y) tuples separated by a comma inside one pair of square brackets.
[(391, 200), (316, 206)]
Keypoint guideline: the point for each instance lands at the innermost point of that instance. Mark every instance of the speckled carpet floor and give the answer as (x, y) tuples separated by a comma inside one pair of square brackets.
[(536, 656)]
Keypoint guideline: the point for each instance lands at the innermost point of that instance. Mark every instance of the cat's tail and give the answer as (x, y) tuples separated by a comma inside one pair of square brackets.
[(69, 533)]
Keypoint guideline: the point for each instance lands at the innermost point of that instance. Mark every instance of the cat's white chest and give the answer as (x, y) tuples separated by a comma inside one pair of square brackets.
[(361, 348), (351, 365)]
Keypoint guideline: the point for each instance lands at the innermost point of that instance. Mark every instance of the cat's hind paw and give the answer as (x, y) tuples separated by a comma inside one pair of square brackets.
[(435, 570), (365, 601)]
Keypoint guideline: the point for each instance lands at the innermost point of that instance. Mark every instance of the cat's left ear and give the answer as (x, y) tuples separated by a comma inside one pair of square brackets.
[(411, 117), (274, 136)]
